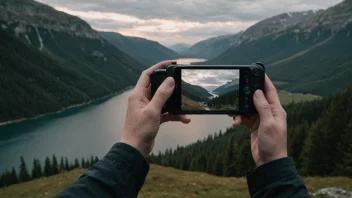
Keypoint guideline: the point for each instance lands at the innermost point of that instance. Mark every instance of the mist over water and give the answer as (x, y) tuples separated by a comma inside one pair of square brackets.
[(92, 129)]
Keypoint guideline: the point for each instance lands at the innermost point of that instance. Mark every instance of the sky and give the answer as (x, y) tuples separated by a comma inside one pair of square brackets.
[(180, 21), (209, 79)]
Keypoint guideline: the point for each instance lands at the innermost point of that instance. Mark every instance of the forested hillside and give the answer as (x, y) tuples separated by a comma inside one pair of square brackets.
[(50, 60), (319, 134), (194, 92), (146, 51), (310, 56)]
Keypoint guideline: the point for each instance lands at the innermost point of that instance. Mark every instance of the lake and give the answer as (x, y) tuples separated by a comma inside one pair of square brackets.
[(92, 129)]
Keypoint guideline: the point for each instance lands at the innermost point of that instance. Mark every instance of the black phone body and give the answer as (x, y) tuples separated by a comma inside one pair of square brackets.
[(230, 88)]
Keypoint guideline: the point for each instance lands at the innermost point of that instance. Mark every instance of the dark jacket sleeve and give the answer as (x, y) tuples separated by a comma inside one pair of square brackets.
[(121, 173), (278, 178)]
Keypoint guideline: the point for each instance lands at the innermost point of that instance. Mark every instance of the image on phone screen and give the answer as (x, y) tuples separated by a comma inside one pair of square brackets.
[(210, 89)]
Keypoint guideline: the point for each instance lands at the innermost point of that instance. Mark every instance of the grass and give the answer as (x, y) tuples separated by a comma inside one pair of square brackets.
[(287, 98), (166, 182), (188, 104)]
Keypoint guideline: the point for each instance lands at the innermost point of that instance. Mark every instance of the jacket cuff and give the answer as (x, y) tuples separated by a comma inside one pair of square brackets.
[(127, 159), (269, 173)]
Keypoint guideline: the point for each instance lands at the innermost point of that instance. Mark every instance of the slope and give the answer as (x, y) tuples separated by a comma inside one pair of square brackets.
[(146, 51), (194, 92), (165, 182), (310, 56), (51, 60), (180, 47), (212, 47)]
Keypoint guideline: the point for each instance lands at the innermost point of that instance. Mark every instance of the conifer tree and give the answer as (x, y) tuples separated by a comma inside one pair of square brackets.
[(14, 177), (92, 161), (228, 159), (55, 166), (67, 166), (96, 159), (83, 163), (24, 175), (76, 163), (62, 164), (48, 171)]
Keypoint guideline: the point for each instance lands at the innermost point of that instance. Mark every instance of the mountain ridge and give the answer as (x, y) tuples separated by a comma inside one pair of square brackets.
[(146, 51)]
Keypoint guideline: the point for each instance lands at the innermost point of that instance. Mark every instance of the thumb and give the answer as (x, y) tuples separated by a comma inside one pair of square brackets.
[(162, 94), (262, 106)]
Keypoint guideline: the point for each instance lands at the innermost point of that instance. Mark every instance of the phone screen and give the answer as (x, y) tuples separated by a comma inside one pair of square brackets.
[(210, 89)]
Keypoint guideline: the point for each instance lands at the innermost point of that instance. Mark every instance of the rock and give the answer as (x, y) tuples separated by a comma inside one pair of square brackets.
[(333, 193)]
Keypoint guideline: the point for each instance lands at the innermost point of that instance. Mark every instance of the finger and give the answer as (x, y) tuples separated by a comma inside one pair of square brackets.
[(262, 106), (144, 80), (271, 93), (175, 118), (162, 94), (247, 121)]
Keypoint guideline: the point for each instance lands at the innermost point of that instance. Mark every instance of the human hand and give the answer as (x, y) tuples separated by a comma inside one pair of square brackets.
[(268, 128), (144, 117)]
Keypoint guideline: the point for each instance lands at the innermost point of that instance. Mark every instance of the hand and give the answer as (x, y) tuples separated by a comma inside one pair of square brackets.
[(144, 116), (268, 128)]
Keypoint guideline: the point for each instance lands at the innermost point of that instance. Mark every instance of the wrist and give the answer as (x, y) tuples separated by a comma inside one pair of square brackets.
[(272, 158), (139, 146)]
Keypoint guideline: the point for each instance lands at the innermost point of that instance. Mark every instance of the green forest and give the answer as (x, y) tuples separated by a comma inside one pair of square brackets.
[(319, 134), (51, 166), (227, 101)]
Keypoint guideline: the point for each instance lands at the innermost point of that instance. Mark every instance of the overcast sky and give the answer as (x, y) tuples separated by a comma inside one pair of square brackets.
[(176, 21), (209, 79)]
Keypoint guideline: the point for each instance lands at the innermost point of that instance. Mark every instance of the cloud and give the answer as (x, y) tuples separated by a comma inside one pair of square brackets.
[(209, 78), (176, 21)]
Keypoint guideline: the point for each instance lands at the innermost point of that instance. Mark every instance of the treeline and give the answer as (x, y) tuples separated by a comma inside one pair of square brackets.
[(51, 167), (225, 100), (319, 139)]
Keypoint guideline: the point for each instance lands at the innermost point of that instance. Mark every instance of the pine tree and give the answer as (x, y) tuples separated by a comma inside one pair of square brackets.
[(76, 163), (92, 160), (48, 171), (218, 165), (67, 166), (55, 166), (39, 170), (62, 164), (96, 159), (228, 159), (35, 169), (24, 175), (83, 163), (14, 177), (244, 161)]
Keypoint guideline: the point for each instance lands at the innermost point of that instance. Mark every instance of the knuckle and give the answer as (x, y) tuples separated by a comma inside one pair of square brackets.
[(162, 92), (265, 106), (150, 112)]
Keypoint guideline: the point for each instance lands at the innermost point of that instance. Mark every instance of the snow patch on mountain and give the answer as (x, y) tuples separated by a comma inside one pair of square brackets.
[(40, 40)]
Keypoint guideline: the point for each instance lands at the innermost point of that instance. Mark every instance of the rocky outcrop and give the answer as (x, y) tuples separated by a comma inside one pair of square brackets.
[(333, 193), (20, 15)]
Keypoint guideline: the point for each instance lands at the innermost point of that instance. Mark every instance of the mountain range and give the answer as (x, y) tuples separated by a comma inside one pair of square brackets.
[(180, 47), (51, 60), (309, 55), (146, 51), (228, 87), (212, 47)]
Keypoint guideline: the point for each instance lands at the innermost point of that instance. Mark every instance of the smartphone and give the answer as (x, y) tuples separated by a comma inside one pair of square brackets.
[(211, 89)]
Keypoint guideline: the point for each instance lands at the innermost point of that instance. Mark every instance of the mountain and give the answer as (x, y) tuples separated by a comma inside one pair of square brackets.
[(311, 56), (50, 60), (180, 47), (212, 47), (228, 87), (275, 24), (194, 92), (146, 51)]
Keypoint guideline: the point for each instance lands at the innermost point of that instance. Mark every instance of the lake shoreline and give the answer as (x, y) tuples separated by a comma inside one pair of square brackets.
[(65, 108)]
